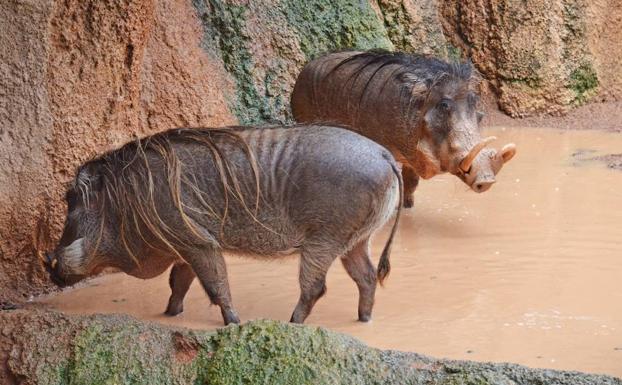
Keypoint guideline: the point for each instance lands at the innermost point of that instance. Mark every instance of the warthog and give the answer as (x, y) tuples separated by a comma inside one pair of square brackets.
[(422, 109), (184, 196)]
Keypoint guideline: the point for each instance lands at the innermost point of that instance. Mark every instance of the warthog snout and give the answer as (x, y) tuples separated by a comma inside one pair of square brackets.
[(479, 167), (479, 180), (50, 261), (51, 265), (56, 264), (482, 186)]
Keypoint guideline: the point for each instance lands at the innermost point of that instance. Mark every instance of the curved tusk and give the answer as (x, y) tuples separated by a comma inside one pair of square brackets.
[(465, 165), (508, 151)]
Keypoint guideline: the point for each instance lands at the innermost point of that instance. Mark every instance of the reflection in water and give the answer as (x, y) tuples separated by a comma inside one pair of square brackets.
[(528, 272)]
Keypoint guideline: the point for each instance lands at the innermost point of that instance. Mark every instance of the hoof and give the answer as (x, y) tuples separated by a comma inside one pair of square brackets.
[(173, 312), (174, 309), (409, 202), (232, 321), (230, 317)]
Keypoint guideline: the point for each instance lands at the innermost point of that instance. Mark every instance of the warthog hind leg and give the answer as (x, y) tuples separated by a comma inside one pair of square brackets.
[(313, 269), (411, 180), (180, 280), (211, 270), (359, 267)]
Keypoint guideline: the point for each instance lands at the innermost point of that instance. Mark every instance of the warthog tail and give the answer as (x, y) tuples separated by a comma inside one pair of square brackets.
[(384, 265)]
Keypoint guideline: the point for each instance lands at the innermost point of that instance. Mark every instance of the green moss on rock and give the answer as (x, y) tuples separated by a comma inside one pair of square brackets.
[(533, 82), (50, 348), (583, 81), (269, 352), (126, 353), (224, 34), (414, 26), (454, 53), (328, 25), (319, 25)]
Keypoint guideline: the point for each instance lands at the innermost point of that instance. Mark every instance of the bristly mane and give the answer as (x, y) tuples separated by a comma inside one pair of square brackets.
[(417, 75), (126, 189)]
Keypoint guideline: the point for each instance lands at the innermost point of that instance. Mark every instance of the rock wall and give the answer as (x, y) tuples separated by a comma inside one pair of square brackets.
[(46, 348), (541, 57), (78, 77)]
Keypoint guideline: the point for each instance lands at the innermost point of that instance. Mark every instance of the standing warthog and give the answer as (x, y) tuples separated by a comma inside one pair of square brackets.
[(422, 109), (184, 196)]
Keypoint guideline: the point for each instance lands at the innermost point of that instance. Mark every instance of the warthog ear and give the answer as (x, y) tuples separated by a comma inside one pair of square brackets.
[(89, 178), (419, 86), (88, 184)]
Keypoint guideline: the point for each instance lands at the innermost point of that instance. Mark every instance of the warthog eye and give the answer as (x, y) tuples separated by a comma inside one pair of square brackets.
[(472, 99), (445, 104)]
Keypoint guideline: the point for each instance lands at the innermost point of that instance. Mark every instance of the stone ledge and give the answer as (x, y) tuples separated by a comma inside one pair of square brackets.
[(44, 347)]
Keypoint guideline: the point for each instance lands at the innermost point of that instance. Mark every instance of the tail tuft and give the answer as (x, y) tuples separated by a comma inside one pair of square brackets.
[(384, 265)]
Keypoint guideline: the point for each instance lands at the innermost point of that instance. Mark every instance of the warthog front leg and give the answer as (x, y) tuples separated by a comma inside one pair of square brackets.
[(211, 270), (411, 180), (180, 280), (359, 267), (312, 276)]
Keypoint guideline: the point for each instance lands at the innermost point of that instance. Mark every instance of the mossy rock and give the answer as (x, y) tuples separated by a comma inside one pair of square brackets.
[(584, 82), (49, 348), (329, 25), (316, 26)]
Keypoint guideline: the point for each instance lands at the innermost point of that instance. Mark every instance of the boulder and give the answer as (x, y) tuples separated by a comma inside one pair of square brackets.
[(49, 348)]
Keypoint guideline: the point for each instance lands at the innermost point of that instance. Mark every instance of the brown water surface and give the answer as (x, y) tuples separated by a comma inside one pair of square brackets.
[(528, 272)]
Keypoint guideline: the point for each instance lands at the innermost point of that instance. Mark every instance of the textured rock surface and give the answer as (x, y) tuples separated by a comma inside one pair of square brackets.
[(80, 76), (415, 26), (541, 56), (50, 348)]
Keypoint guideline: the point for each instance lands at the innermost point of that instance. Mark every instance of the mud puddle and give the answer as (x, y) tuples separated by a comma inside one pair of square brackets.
[(529, 272)]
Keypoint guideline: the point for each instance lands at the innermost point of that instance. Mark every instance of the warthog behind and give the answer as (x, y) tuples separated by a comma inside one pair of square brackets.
[(183, 197), (422, 109)]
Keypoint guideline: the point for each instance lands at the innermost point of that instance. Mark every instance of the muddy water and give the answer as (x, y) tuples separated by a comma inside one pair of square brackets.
[(529, 272)]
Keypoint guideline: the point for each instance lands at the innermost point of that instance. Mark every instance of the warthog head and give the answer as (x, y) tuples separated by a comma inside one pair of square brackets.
[(79, 251), (449, 138)]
